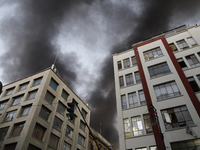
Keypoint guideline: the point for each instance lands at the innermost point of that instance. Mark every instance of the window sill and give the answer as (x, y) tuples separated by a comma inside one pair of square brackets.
[(168, 130), (133, 107), (154, 58), (168, 98), (127, 67), (161, 76), (130, 85), (37, 139), (57, 129), (43, 119)]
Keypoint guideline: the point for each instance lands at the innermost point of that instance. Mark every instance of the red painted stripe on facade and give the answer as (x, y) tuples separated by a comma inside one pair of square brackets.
[(182, 76)]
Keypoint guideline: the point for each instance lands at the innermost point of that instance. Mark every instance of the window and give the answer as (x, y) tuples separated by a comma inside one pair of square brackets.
[(166, 90), (151, 54), (153, 148), (192, 41), (10, 115), (39, 131), (173, 47), (32, 147), (32, 94), (17, 100), (137, 126), (126, 63), (137, 77), (182, 44), (192, 60), (198, 54), (37, 81), (3, 104), (9, 91), (198, 76), (84, 113), (127, 128), (67, 146), (119, 65), (124, 104), (132, 98), (134, 61), (25, 110), (142, 97), (61, 108), (186, 145), (81, 139), (64, 95), (147, 123), (144, 148), (3, 132), (17, 129), (23, 86), (82, 125), (49, 97), (121, 81), (159, 70), (69, 132), (53, 84), (57, 123), (44, 113), (10, 146), (53, 141), (176, 117), (129, 79), (182, 63), (193, 84)]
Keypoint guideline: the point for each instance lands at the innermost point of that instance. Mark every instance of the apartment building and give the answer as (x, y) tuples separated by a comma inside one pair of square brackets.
[(33, 115), (157, 86)]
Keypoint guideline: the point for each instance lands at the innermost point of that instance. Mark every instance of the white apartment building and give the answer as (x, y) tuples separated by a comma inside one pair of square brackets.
[(33, 115), (160, 77)]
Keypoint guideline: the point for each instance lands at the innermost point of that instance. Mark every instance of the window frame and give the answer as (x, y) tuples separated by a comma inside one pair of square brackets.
[(193, 84), (17, 129), (147, 124), (142, 97), (53, 144), (182, 44), (57, 123), (32, 94), (129, 79), (133, 100), (61, 108), (82, 142), (69, 132), (126, 63), (37, 81), (12, 113), (9, 91), (158, 70), (39, 132), (3, 104), (49, 95), (192, 60), (135, 123), (23, 86), (47, 113), (53, 84), (123, 101), (121, 81), (127, 128), (65, 94), (3, 132), (149, 54), (23, 110), (17, 100)]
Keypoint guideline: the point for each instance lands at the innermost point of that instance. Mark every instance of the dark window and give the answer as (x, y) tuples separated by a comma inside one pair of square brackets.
[(17, 129), (84, 113), (119, 65), (182, 44), (69, 132), (67, 146), (25, 110), (3, 132), (37, 81), (192, 60), (134, 61), (124, 103), (39, 131), (32, 147), (132, 98), (3, 104), (10, 116), (129, 79), (44, 113), (17, 100), (159, 70), (57, 123), (53, 141), (182, 63), (82, 125), (49, 97), (64, 94), (10, 146), (126, 63), (193, 84), (32, 94), (121, 81), (151, 54), (9, 91), (186, 145), (81, 139), (61, 108), (53, 84), (137, 77), (142, 97), (176, 117), (147, 123), (198, 76), (23, 86), (173, 47)]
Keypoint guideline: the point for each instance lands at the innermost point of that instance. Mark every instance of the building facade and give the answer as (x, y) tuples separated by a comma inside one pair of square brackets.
[(157, 86), (33, 115)]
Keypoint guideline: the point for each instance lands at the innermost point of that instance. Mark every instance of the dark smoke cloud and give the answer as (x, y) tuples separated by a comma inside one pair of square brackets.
[(30, 35)]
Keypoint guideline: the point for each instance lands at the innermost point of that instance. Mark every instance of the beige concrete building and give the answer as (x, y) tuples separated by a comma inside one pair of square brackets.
[(161, 72), (33, 115)]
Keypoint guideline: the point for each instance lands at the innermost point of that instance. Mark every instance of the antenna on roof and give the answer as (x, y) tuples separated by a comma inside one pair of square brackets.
[(53, 67)]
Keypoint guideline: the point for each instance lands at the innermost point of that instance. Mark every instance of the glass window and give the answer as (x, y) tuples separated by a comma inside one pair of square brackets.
[(176, 117), (66, 146), (3, 132), (64, 95), (23, 86), (32, 94), (9, 91), (126, 63), (198, 76), (124, 103), (129, 79), (182, 63), (17, 100), (173, 47), (151, 54), (81, 139), (69, 132), (25, 110), (49, 97), (10, 146), (57, 123), (192, 41), (147, 123), (3, 104), (153, 148), (134, 61), (44, 112), (17, 129), (61, 108), (82, 125), (121, 81), (159, 70), (166, 90), (84, 113), (127, 128), (192, 60), (119, 65), (10, 116), (53, 141), (53, 84), (182, 44), (193, 84), (37, 81), (186, 145), (132, 98), (39, 131), (142, 97), (137, 77), (32, 147), (137, 126), (144, 148)]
